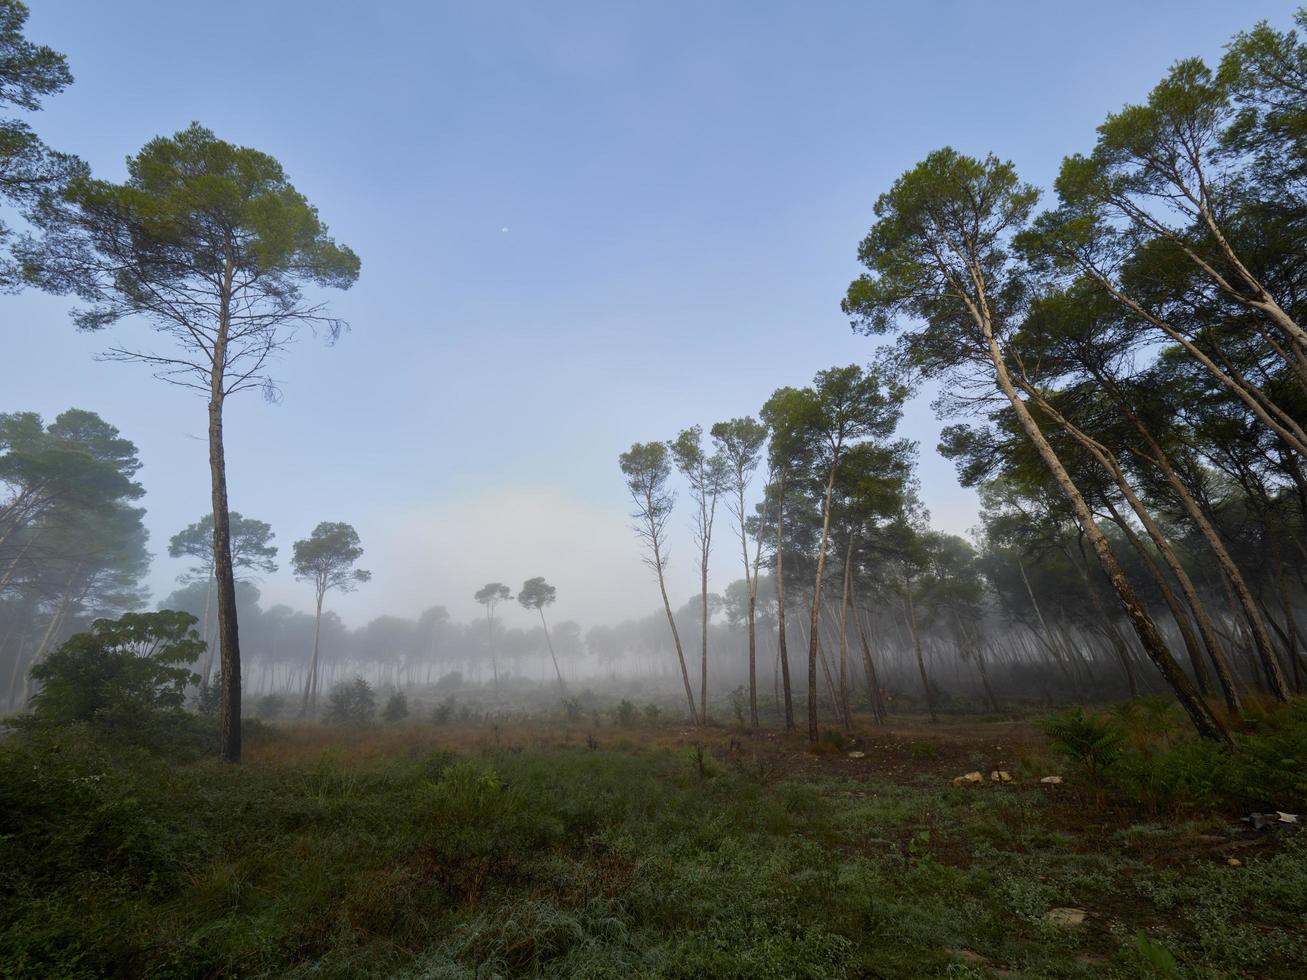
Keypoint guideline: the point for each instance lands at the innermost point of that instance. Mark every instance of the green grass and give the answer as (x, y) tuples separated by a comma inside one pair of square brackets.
[(577, 863)]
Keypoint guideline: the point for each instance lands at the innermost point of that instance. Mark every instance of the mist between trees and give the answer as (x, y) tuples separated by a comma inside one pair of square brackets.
[(1125, 369)]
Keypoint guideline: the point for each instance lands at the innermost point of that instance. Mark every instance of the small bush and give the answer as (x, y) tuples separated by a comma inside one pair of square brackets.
[(652, 713), (352, 703), (1092, 742), (738, 705), (125, 678), (450, 682), (474, 826), (625, 713), (396, 708), (443, 713), (119, 669), (270, 706)]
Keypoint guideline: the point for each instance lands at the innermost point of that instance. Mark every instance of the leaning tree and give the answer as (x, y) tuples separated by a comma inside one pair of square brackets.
[(646, 467), (940, 273), (536, 594), (210, 244)]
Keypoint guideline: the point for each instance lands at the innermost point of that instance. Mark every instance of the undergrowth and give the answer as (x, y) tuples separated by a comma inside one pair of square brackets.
[(578, 862)]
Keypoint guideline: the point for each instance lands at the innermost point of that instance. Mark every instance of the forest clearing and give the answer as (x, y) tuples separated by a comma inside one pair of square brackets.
[(557, 848)]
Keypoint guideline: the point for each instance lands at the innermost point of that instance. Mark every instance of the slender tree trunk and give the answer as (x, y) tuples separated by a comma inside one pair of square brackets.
[(208, 647), (490, 646), (1173, 604), (782, 649), (224, 575), (1159, 458), (1205, 627), (676, 638), (816, 601), (844, 635), (562, 686), (916, 646), (311, 681), (874, 698), (751, 588), (19, 661), (703, 679)]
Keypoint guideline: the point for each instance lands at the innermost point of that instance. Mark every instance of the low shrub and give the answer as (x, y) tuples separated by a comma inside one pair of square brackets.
[(351, 703), (396, 708)]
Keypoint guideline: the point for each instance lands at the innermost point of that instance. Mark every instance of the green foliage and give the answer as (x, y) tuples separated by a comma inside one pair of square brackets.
[(474, 826), (739, 705), (1155, 958), (1092, 742), (625, 713), (571, 864), (251, 545), (327, 557), (351, 703), (270, 706), (536, 594), (396, 708), (120, 672), (443, 713), (1264, 771)]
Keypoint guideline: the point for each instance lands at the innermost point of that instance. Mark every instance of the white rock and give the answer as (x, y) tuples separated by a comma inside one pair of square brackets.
[(1051, 780), (971, 777), (1066, 917)]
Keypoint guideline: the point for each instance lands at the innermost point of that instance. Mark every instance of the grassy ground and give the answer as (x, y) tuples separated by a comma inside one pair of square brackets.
[(549, 850)]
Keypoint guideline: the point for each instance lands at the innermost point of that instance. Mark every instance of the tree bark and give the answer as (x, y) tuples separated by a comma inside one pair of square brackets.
[(816, 601), (916, 646), (311, 681), (561, 684), (224, 575), (844, 635), (782, 649)]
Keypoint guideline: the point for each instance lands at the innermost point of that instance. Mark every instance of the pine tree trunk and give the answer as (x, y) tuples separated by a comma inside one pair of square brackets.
[(816, 602), (224, 575), (916, 646), (311, 681), (844, 635), (782, 649)]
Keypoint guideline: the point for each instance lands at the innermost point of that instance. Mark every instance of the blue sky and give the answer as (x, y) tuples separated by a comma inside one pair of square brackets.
[(581, 225)]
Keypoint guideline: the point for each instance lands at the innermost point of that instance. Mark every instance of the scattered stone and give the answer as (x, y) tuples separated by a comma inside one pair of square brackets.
[(971, 777), (1066, 917), (1287, 817), (1234, 862), (1051, 780), (857, 755), (1001, 776)]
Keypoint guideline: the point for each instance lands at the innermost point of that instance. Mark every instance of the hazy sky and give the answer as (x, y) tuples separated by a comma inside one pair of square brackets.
[(581, 225)]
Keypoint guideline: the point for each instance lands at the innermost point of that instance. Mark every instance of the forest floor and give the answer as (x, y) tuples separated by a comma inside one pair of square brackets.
[(560, 849)]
